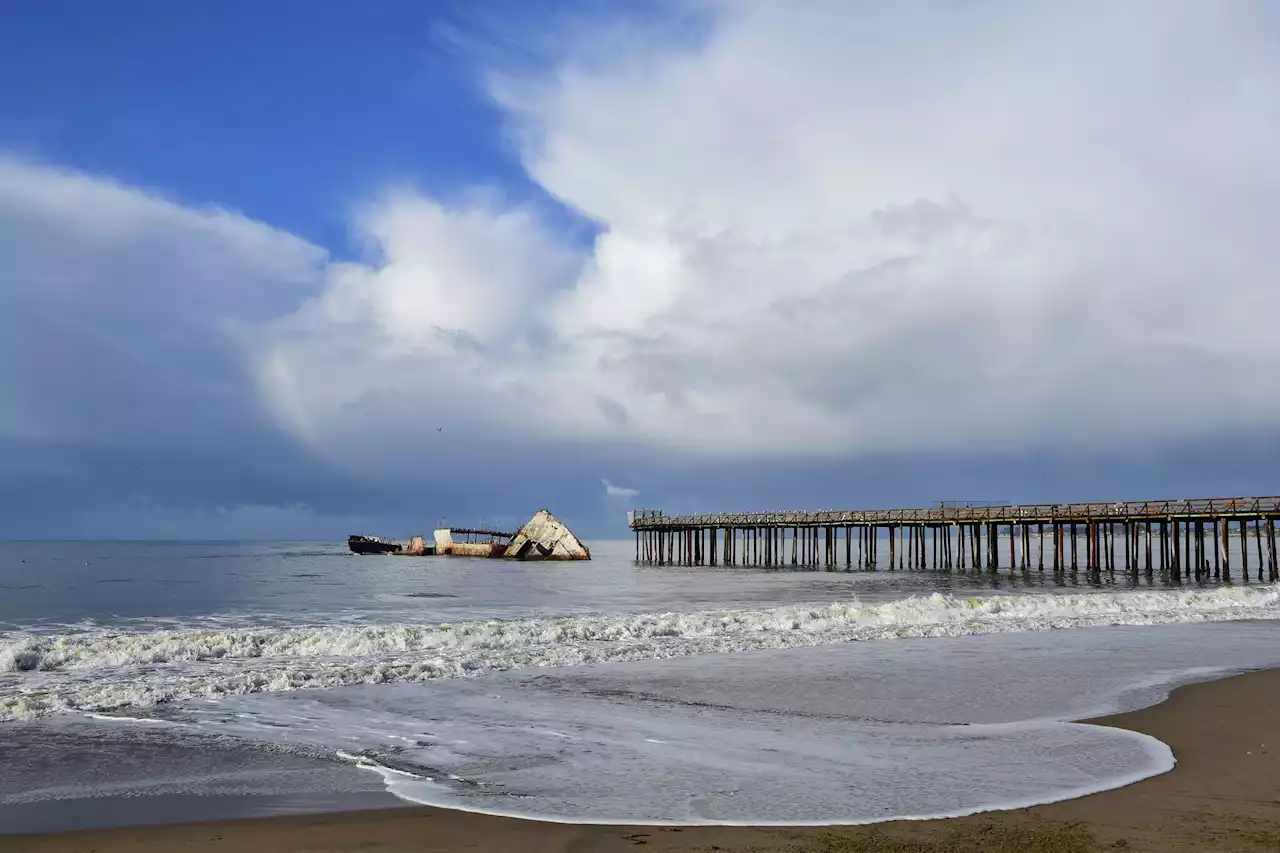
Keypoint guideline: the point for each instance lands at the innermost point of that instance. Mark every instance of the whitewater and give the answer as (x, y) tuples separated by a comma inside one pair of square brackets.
[(854, 733), (294, 676), (102, 669)]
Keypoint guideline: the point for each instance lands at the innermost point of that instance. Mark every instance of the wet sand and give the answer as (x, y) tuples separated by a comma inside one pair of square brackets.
[(1224, 795)]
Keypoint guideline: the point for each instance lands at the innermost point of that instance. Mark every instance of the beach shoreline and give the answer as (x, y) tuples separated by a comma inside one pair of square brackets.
[(1221, 795)]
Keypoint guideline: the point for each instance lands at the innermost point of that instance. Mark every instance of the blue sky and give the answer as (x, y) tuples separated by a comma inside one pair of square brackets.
[(298, 268), (287, 112)]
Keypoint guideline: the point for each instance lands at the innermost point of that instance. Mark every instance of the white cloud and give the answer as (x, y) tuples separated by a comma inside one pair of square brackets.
[(439, 328), (825, 231), (821, 232), (120, 310), (618, 491)]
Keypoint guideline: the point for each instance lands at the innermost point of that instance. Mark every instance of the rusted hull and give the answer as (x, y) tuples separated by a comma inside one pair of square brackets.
[(416, 548), (446, 546), (478, 549)]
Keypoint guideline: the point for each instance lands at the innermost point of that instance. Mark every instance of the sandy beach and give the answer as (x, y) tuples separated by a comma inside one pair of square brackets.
[(1223, 795)]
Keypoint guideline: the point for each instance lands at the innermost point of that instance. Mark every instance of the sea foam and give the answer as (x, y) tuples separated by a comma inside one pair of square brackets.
[(102, 670)]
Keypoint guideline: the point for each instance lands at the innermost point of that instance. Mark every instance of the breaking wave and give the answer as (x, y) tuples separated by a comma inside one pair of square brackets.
[(103, 670)]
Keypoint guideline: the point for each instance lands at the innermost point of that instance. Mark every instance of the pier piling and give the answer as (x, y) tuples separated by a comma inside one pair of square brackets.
[(1178, 535)]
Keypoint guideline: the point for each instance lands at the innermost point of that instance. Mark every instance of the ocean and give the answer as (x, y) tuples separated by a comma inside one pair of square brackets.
[(161, 681)]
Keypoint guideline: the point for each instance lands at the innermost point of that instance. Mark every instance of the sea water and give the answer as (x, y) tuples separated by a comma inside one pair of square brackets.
[(299, 675)]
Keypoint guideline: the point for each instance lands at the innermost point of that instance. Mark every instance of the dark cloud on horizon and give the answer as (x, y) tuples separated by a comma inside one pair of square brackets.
[(291, 494)]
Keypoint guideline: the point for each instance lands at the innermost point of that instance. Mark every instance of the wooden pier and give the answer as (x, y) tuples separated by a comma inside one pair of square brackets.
[(1183, 538)]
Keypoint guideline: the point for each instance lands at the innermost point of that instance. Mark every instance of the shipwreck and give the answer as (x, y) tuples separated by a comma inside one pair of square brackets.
[(543, 537)]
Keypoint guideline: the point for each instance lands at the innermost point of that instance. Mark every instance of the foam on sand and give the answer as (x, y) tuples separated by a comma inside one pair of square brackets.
[(577, 751), (421, 791)]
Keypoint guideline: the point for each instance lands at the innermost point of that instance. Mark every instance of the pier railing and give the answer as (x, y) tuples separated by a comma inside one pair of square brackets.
[(1080, 512)]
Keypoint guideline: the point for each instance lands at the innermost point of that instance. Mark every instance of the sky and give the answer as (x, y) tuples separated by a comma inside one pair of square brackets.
[(305, 269)]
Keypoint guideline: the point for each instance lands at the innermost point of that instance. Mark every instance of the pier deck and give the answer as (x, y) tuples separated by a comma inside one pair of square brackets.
[(1165, 534)]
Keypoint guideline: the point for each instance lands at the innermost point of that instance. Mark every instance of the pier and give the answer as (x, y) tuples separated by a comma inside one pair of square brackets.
[(1201, 538)]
